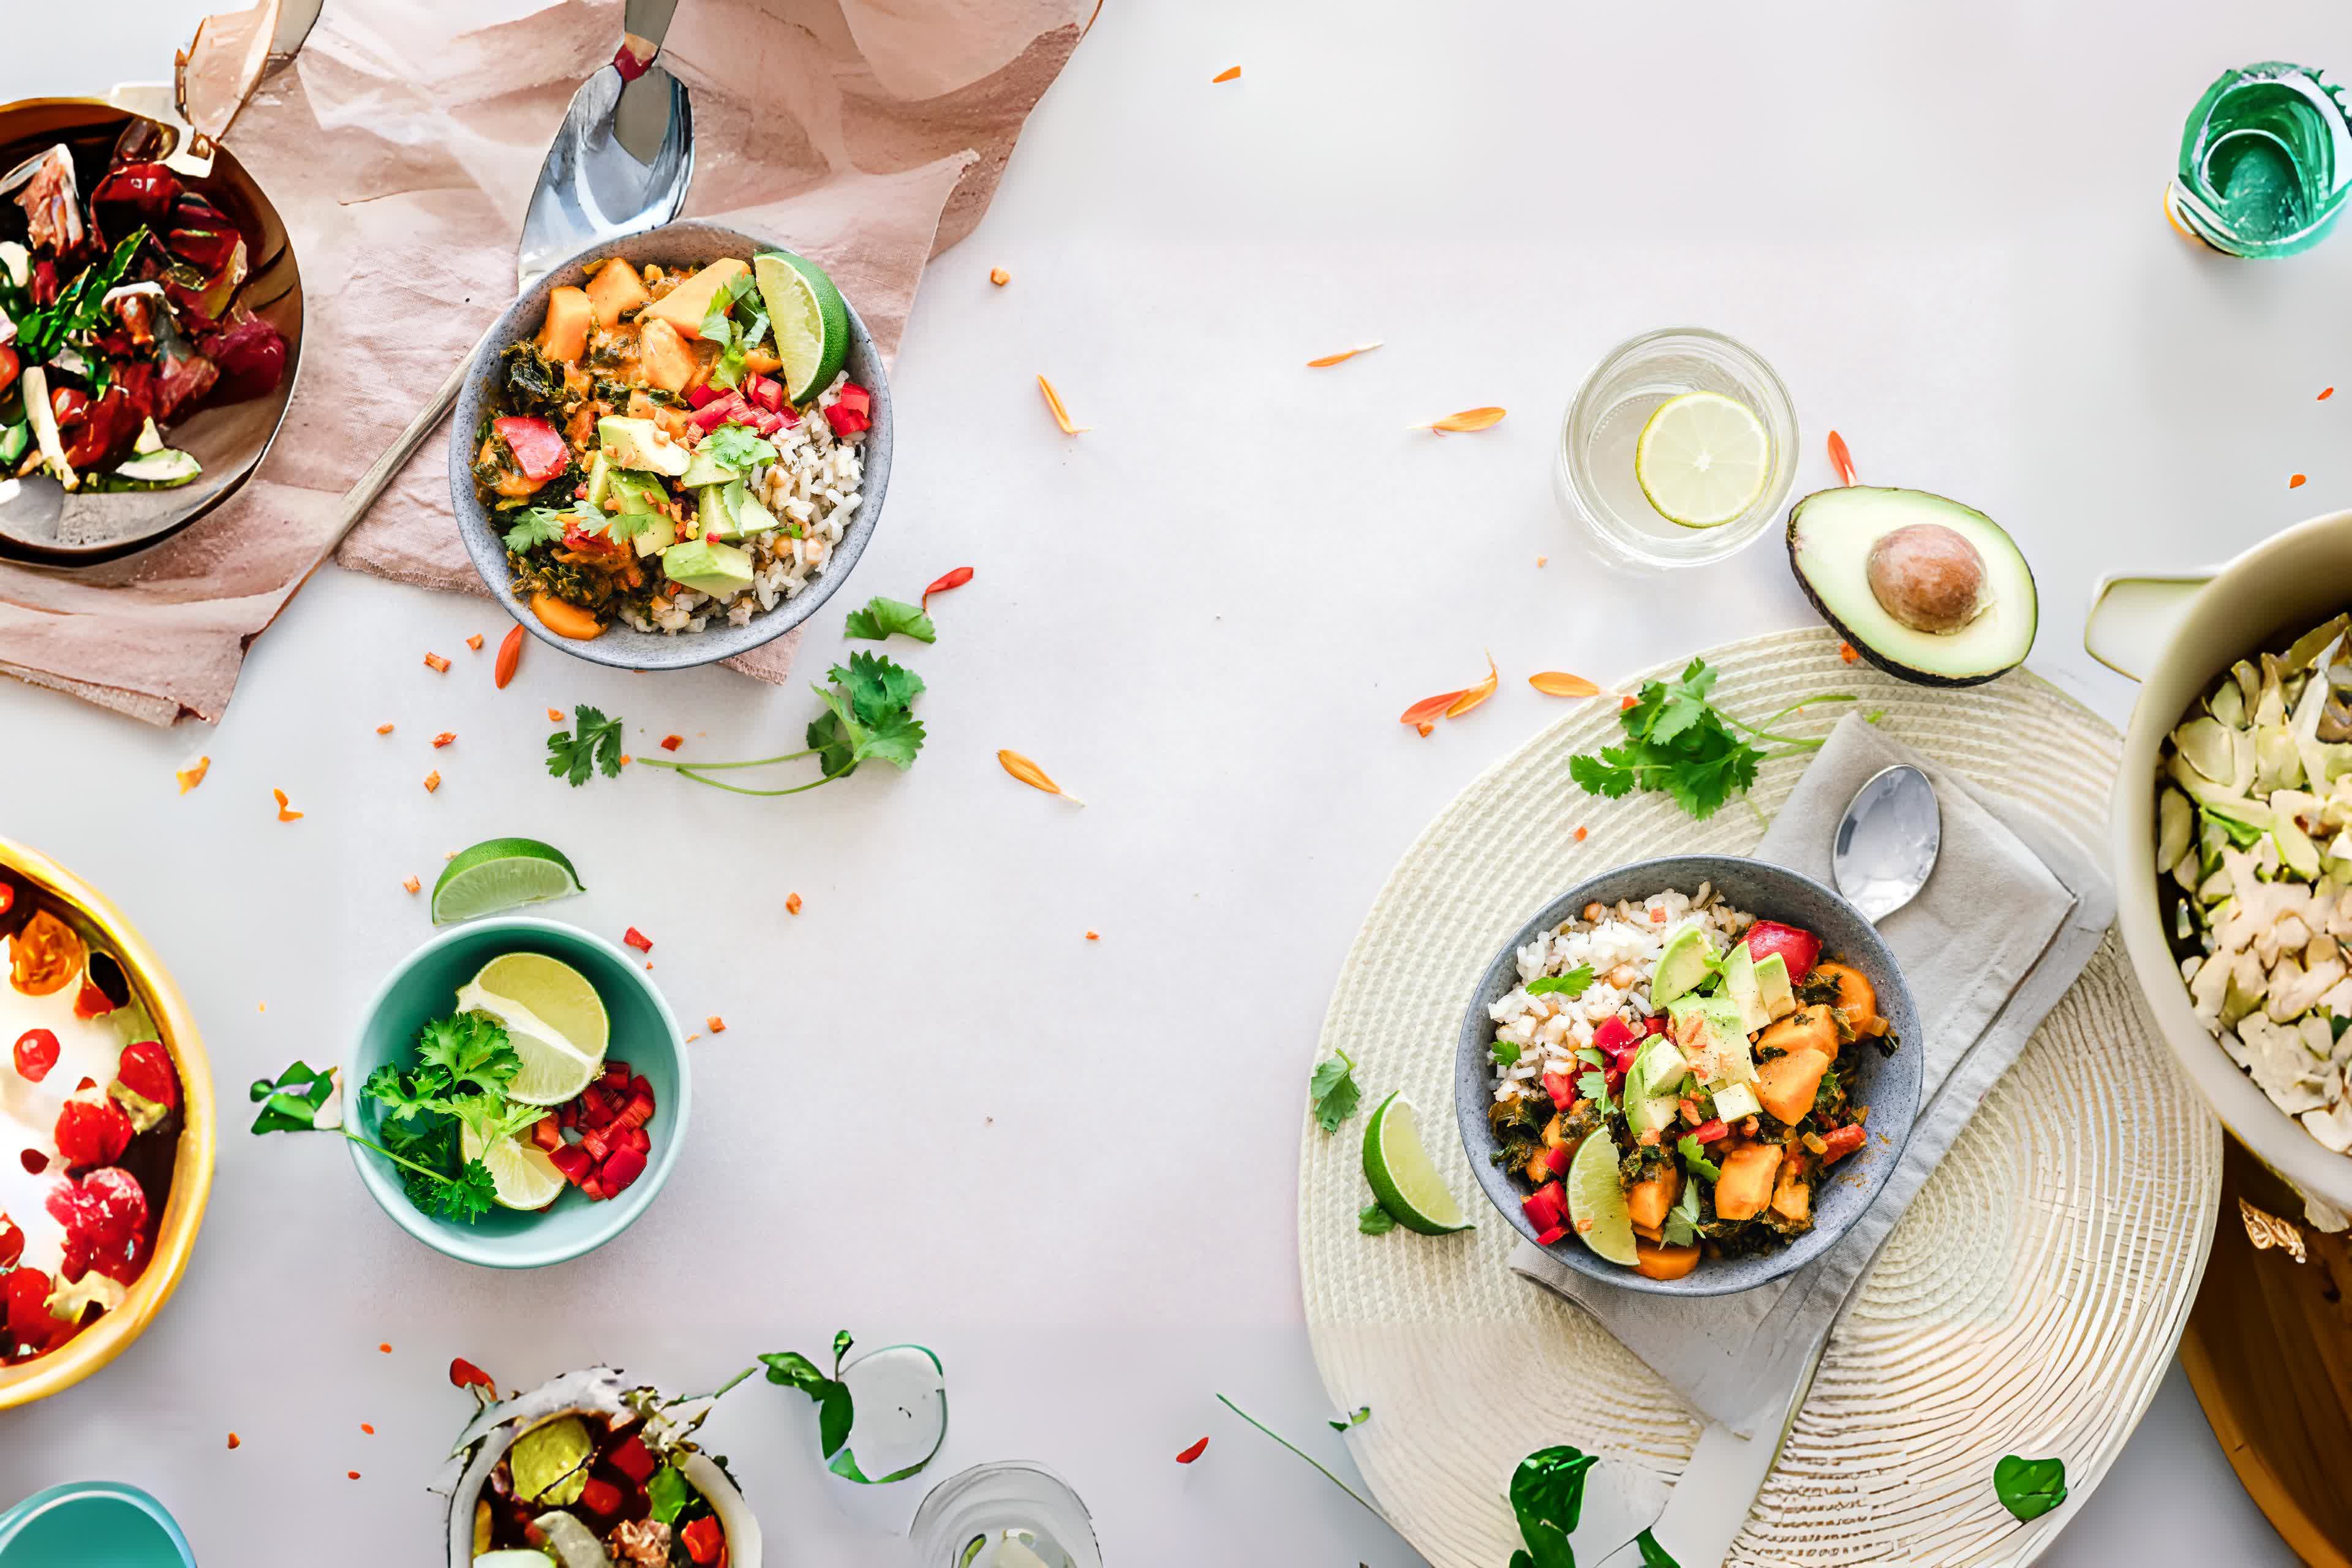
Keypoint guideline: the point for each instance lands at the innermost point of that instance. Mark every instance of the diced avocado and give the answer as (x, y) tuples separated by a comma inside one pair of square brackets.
[(718, 570), (1682, 966), (634, 492), (701, 470), (1713, 1044), (1651, 1084), (14, 440), (640, 443), (160, 469), (1928, 590), (1772, 985), (600, 479), (711, 515), (149, 440), (1734, 1100), (1739, 985), (749, 516)]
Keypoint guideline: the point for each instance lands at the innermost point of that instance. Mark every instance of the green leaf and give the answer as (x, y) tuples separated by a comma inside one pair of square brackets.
[(1356, 1418), (882, 617), (1694, 1155), (1682, 1221), (835, 1410), (391, 1085), (535, 526), (1653, 1554), (290, 1101), (471, 1050), (875, 685), (1547, 1497), (737, 447), (1594, 1087), (1374, 1220), (1333, 1092), (1507, 1053), (667, 1493), (593, 743), (895, 739), (1572, 985), (2030, 1488), (470, 1196)]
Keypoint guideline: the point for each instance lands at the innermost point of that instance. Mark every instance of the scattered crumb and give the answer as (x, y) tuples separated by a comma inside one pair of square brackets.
[(451, 855), (411, 883), (718, 1025), (284, 815), (261, 1007), (383, 729), (385, 1349), (193, 773), (1580, 833), (791, 903), (672, 742), (234, 1439), (998, 276), (436, 664), (1541, 558), (1231, 73), (626, 759), (555, 716), (432, 781), (1094, 936), (1847, 652), (475, 642), (444, 738), (2296, 481), (690, 1038)]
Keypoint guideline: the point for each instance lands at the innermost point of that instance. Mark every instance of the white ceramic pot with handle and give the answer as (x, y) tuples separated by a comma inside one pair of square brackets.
[(2176, 633)]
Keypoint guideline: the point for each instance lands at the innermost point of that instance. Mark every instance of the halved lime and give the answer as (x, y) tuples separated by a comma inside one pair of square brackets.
[(1596, 1200), (812, 324), (524, 1177), (1703, 458), (1402, 1178), (549, 1462), (501, 874), (554, 1018)]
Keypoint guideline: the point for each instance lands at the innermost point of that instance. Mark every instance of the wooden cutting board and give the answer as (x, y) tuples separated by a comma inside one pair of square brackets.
[(2269, 1351)]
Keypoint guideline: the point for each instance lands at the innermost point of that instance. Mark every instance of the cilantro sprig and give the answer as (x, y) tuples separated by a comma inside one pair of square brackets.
[(869, 718), (1679, 743), (1333, 1091), (882, 616), (1548, 1499), (1572, 985), (592, 742)]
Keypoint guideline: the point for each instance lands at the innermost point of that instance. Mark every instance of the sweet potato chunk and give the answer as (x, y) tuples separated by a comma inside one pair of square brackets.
[(1806, 1029), (1664, 1262), (1746, 1183), (1648, 1201), (564, 335), (1856, 998), (685, 306), (667, 363), (615, 290), (1792, 1199), (1786, 1084)]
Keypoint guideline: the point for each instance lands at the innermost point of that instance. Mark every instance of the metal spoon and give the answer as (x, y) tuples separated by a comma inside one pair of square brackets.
[(1888, 841)]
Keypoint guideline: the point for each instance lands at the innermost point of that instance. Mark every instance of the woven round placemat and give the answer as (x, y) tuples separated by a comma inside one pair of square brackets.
[(2028, 1302)]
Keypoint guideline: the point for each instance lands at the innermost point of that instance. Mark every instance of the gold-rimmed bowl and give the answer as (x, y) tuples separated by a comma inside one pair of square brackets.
[(35, 881)]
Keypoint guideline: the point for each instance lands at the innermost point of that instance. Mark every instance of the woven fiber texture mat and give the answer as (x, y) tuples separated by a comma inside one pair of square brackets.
[(2027, 1303)]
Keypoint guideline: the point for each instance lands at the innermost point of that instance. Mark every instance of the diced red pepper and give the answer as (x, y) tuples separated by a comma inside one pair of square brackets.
[(538, 446), (1655, 1023), (145, 1070), (1841, 1141), (637, 940), (638, 1111), (564, 1114), (1798, 949), (594, 1191), (1551, 1235), (705, 1540), (764, 422), (623, 1166), (634, 1459), (1561, 1088), (574, 1161), (1713, 1131), (601, 1497), (1545, 1206), (768, 394), (548, 1133), (845, 420), (637, 1138), (593, 1141), (616, 1074), (463, 1373), (93, 1132), (712, 414), (37, 1053), (1611, 1033), (706, 395), (854, 398), (1557, 1158)]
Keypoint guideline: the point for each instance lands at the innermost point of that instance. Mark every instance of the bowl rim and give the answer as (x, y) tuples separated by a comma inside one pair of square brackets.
[(470, 516), (2274, 1137), (74, 1494), (516, 1251), (1673, 871), (192, 1162)]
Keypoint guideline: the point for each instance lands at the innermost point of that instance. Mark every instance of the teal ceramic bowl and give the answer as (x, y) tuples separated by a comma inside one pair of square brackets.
[(644, 1034), (92, 1524)]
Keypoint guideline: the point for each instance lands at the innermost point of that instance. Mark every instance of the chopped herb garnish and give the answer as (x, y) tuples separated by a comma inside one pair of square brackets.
[(290, 1102), (1682, 1220), (593, 743), (881, 617), (1333, 1092), (1374, 1220), (737, 447), (1679, 743), (535, 526), (1572, 985), (869, 718), (1356, 1418), (1506, 1054), (1695, 1158)]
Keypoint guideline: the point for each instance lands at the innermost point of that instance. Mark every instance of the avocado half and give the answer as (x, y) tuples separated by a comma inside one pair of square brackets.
[(1925, 588)]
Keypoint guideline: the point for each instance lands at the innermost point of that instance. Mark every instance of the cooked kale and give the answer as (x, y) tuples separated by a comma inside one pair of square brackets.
[(532, 382)]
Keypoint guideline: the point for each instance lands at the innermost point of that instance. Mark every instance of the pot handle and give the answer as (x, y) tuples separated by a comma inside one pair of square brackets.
[(2132, 617)]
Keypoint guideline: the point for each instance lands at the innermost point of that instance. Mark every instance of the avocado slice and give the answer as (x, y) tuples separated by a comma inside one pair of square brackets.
[(1734, 1100), (630, 443), (1926, 589), (703, 469), (1739, 984), (718, 570), (1772, 985), (1714, 1043), (1650, 1085), (1682, 966), (749, 516)]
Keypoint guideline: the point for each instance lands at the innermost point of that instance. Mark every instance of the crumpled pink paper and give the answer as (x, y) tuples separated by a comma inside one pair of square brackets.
[(867, 134)]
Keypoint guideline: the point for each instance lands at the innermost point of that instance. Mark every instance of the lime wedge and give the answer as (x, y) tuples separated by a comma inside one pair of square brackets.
[(501, 874), (554, 1018), (524, 1177), (549, 1462), (1703, 458), (1596, 1200), (1402, 1178), (812, 324)]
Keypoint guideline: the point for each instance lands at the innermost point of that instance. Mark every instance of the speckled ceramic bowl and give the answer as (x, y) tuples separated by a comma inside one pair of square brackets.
[(1888, 1085), (685, 244)]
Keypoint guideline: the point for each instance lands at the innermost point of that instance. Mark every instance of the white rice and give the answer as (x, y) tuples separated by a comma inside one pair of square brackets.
[(1623, 947), (813, 485)]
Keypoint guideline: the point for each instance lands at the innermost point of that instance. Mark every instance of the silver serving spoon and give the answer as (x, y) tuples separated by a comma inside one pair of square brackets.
[(1888, 841), (620, 164)]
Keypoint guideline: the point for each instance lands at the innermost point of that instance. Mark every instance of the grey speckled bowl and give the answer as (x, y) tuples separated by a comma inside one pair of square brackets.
[(1888, 1085), (685, 244)]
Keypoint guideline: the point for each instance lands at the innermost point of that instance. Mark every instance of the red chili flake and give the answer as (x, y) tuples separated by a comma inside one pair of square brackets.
[(444, 738), (366, 1429), (718, 1025), (626, 759), (672, 742), (354, 1474), (639, 939), (1841, 460), (955, 579), (234, 1440), (436, 664), (710, 538), (475, 642), (554, 715), (1094, 936), (1580, 833), (1625, 701), (34, 1161), (2296, 481), (2326, 393), (1847, 652), (998, 276), (510, 655), (791, 903), (463, 1373), (1192, 1453)]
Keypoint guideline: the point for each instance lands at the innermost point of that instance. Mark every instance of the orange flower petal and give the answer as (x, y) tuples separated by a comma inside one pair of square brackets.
[(383, 729), (1061, 413), (432, 781), (436, 663), (1030, 773), (554, 716), (1477, 694), (284, 815), (444, 738), (2326, 393), (1231, 73), (1468, 419), (193, 773), (1841, 460), (1419, 714), (2297, 481), (1327, 361), (475, 642), (1559, 683)]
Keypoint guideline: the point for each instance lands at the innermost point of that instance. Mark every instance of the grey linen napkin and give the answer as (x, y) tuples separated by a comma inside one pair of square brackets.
[(2010, 915)]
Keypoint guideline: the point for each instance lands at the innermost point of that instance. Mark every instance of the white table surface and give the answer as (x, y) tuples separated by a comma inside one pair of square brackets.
[(938, 1112)]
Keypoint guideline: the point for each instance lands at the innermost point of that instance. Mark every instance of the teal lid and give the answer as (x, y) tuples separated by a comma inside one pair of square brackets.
[(92, 1524)]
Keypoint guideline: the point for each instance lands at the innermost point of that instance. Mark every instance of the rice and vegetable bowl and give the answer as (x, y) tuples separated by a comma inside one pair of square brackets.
[(1666, 1078)]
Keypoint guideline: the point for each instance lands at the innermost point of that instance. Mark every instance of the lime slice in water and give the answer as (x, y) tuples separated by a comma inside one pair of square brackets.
[(1596, 1200), (1402, 1178), (501, 874), (1703, 458), (524, 1177), (549, 1462), (812, 324), (554, 1018)]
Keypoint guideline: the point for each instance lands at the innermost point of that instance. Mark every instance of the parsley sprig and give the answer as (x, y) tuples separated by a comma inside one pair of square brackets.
[(869, 718), (1679, 743), (592, 741)]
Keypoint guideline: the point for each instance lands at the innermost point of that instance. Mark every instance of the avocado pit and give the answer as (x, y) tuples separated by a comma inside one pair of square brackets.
[(1928, 576)]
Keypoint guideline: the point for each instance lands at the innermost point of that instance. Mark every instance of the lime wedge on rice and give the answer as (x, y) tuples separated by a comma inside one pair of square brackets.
[(554, 1018), (812, 324), (1402, 1178), (549, 1462), (1703, 458), (521, 1171), (1596, 1200), (501, 874)]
